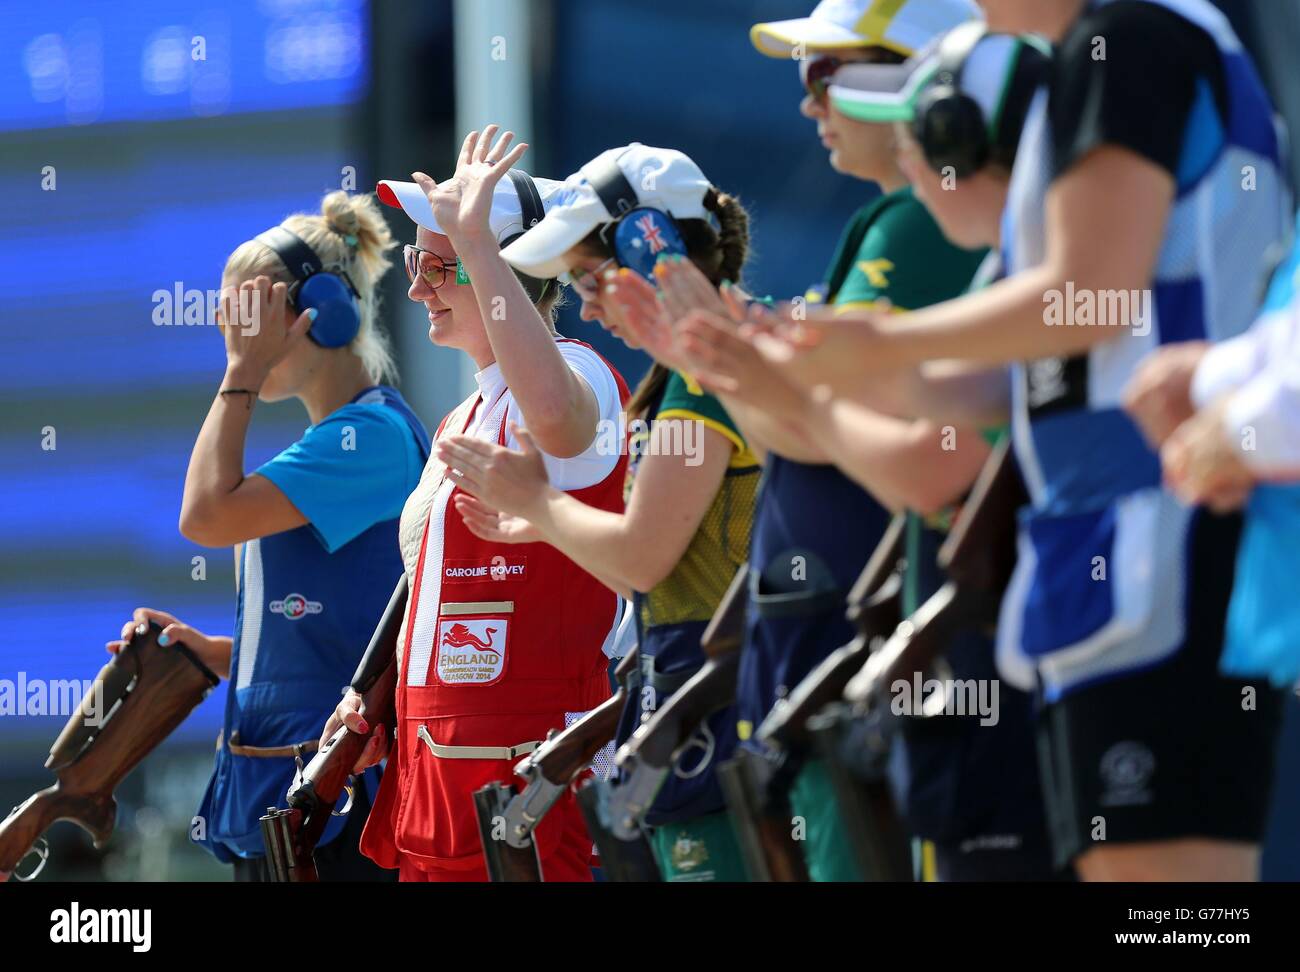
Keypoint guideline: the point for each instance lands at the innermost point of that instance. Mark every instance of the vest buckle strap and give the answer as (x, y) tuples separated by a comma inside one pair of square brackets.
[(475, 752), (269, 752)]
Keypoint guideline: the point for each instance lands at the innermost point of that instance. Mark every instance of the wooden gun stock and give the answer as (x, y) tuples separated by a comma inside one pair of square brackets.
[(566, 754), (711, 688), (291, 835), (978, 557), (762, 820), (726, 630), (506, 819), (875, 603), (153, 688), (646, 759)]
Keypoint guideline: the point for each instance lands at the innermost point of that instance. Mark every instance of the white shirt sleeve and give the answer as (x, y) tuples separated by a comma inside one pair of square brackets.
[(1261, 371), (1264, 416), (1230, 364), (598, 460)]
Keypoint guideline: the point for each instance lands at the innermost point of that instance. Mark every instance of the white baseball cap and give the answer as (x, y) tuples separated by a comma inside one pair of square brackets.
[(903, 26), (989, 74), (660, 178), (505, 220)]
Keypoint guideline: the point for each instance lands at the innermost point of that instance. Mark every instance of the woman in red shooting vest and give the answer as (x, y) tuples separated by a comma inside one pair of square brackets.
[(500, 642)]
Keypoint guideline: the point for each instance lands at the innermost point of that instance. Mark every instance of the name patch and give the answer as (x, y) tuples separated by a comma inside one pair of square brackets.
[(498, 568)]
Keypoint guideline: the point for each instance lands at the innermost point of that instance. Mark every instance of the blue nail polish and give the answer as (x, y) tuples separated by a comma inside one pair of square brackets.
[(312, 313), (164, 640)]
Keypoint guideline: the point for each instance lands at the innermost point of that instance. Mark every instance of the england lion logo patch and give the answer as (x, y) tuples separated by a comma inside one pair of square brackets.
[(471, 651)]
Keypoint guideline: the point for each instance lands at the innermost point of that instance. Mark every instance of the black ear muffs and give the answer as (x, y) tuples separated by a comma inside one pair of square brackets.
[(949, 124), (531, 212), (950, 128)]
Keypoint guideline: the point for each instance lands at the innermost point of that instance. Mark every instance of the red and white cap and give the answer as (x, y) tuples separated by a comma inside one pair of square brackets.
[(505, 219)]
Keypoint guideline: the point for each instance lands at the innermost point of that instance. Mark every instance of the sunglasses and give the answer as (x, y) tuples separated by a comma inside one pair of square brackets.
[(426, 264), (817, 74)]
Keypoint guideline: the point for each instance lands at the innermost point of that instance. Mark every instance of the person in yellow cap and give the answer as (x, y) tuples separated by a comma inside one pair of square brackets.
[(817, 524)]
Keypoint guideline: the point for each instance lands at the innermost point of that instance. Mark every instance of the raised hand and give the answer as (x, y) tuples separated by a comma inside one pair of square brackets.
[(684, 288), (461, 204)]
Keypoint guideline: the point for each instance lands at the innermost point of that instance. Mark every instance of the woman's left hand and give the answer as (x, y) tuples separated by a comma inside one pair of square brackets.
[(462, 204), (1203, 466), (513, 482)]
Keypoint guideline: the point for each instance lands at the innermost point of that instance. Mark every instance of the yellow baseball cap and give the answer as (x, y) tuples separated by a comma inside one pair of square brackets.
[(903, 26)]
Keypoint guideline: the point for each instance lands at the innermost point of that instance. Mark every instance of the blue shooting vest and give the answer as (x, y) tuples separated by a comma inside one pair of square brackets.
[(813, 531), (1097, 506), (305, 619)]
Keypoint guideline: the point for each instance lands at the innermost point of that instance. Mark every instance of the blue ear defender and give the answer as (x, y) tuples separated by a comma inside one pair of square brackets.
[(639, 235), (338, 316), (643, 235)]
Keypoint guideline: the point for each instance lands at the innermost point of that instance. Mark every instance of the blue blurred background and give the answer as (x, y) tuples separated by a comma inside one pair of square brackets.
[(127, 167)]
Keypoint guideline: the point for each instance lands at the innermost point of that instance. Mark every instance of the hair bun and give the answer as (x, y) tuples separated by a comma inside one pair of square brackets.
[(340, 215)]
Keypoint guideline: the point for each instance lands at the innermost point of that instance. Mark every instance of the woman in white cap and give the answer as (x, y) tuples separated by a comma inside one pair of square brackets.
[(500, 644), (692, 478)]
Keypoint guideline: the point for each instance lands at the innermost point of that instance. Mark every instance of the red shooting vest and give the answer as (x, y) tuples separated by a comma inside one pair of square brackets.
[(498, 648)]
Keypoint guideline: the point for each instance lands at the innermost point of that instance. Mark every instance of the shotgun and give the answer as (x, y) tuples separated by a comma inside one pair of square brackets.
[(854, 736), (978, 558), (291, 835), (615, 814), (646, 759), (755, 787), (506, 818), (136, 701), (756, 781), (874, 608)]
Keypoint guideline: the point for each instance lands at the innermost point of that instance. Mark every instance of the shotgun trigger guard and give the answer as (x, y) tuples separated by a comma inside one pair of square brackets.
[(349, 789), (703, 739), (42, 850)]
